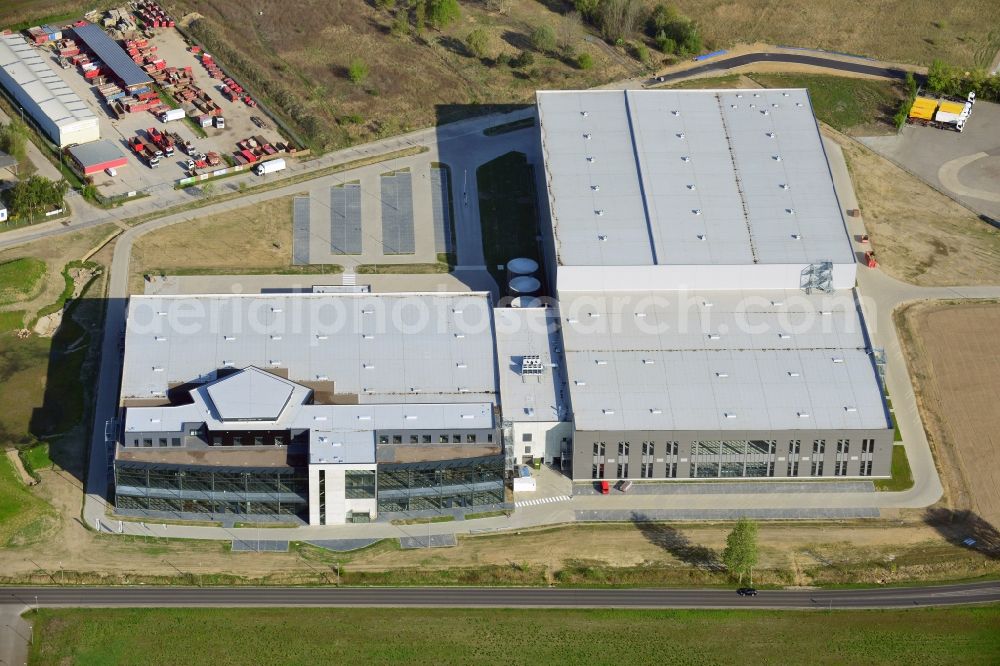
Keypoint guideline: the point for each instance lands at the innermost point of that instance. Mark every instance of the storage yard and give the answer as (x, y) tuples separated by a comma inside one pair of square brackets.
[(172, 111)]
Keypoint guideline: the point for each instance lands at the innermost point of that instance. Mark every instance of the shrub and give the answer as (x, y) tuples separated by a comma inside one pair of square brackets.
[(543, 38), (673, 32), (443, 12), (400, 25), (585, 61), (665, 44), (385, 4), (478, 42), (524, 59), (640, 52), (357, 71)]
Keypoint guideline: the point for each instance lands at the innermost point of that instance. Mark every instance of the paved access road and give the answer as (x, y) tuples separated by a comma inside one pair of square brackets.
[(724, 64), (498, 597)]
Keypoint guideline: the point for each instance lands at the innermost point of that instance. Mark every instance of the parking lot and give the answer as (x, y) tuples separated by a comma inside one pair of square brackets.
[(137, 176), (966, 164)]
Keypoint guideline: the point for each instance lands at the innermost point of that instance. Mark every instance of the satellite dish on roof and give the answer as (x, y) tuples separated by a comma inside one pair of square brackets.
[(525, 285), (522, 266)]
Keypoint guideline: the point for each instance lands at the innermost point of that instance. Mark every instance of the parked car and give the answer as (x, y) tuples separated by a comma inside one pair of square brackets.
[(624, 485), (747, 592), (605, 487), (111, 171)]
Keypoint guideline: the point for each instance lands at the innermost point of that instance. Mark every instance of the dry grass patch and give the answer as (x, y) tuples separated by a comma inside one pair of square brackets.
[(953, 362), (920, 235), (250, 238), (914, 31)]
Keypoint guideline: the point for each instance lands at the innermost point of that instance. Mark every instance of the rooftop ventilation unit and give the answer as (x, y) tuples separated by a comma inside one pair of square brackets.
[(793, 374), (532, 365), (602, 237), (588, 135), (596, 188)]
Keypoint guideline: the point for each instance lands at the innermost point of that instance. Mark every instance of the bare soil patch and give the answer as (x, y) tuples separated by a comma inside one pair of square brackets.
[(920, 236), (953, 361)]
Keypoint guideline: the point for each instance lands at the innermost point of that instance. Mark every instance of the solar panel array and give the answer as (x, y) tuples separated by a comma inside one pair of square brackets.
[(300, 231), (345, 219), (397, 214), (441, 209)]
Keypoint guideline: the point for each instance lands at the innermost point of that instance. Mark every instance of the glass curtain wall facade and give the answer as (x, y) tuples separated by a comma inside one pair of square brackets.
[(733, 459), (441, 485), (212, 490)]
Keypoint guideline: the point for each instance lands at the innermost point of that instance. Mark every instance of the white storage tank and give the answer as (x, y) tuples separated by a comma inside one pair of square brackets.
[(525, 285), (521, 266), (526, 302)]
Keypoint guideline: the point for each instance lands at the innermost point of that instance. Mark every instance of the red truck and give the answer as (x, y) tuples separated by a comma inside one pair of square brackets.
[(145, 150), (162, 141)]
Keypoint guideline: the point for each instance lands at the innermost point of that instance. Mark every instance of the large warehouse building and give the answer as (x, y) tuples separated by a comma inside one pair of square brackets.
[(706, 287), (34, 85), (327, 407)]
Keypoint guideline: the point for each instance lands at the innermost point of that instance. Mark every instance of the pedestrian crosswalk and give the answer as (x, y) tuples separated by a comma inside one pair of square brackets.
[(348, 279), (542, 500)]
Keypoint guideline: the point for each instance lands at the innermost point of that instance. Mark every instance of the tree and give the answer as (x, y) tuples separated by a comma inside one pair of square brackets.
[(357, 71), (740, 555), (14, 139), (585, 61), (660, 19), (673, 32), (618, 19), (443, 12), (543, 39), (35, 194), (478, 42)]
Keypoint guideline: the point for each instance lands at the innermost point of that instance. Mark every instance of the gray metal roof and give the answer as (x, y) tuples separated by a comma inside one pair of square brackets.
[(688, 177), (337, 433), (25, 68), (392, 348), (111, 54), (531, 398), (96, 152), (250, 395), (776, 360)]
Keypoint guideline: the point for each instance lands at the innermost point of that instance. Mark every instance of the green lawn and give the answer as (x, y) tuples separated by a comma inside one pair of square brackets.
[(37, 457), (841, 102), (491, 636), (19, 279), (508, 212), (902, 477), (22, 515)]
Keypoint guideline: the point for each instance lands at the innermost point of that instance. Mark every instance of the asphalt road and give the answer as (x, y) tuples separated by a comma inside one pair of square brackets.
[(794, 58), (499, 597)]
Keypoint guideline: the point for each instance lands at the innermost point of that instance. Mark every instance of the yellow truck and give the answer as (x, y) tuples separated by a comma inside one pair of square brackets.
[(943, 112)]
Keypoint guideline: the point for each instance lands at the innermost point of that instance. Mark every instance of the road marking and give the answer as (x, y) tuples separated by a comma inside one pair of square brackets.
[(541, 500)]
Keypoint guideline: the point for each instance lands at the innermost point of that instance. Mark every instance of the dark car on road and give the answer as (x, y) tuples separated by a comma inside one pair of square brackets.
[(747, 592)]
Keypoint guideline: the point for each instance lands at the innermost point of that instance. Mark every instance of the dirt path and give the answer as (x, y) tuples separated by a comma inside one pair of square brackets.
[(15, 460)]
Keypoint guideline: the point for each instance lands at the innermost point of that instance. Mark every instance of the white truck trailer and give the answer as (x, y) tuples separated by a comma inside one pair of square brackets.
[(171, 114), (270, 166)]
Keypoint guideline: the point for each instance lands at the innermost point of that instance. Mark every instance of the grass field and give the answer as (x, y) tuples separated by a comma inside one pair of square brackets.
[(507, 212), (902, 476), (413, 80), (953, 363), (913, 31), (20, 279), (851, 105), (23, 516), (490, 636), (253, 239)]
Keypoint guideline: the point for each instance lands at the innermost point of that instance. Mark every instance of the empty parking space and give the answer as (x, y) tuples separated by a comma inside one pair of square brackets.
[(444, 238), (300, 231), (345, 219), (397, 213)]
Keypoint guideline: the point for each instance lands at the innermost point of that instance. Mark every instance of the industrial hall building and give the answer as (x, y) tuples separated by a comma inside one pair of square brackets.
[(321, 407), (705, 279)]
